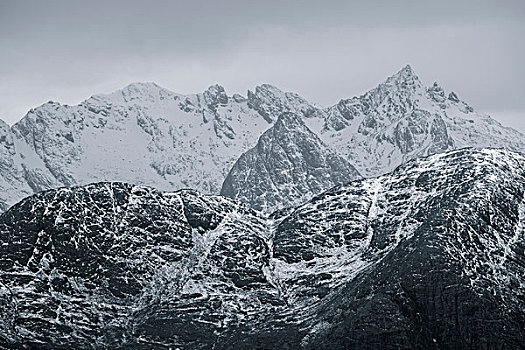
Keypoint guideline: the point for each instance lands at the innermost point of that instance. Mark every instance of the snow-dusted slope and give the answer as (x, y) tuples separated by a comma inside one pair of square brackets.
[(142, 134), (430, 256), (22, 172), (146, 135), (288, 166), (402, 119)]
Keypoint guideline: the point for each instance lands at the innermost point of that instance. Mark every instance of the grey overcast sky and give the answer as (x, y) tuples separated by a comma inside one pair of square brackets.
[(66, 51)]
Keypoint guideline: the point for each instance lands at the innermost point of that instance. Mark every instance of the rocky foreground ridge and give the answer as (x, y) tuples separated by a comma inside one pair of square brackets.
[(429, 256)]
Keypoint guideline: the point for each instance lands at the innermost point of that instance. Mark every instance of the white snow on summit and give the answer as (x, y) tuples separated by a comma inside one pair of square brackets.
[(148, 135)]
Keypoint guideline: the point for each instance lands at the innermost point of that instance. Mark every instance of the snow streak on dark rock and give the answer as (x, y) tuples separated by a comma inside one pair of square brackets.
[(430, 256)]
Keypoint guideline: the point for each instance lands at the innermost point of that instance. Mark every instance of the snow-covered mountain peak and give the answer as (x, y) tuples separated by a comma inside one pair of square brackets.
[(134, 93), (289, 120), (401, 119), (404, 77), (403, 85)]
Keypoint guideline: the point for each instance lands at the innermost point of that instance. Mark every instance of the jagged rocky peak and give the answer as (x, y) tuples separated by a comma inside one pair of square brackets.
[(453, 97), (270, 102), (216, 95), (263, 101), (403, 88), (289, 165), (379, 107), (404, 78), (438, 96), (437, 93), (288, 121), (401, 119)]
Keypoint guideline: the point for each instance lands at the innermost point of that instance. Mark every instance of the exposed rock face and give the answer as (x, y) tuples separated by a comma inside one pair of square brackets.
[(115, 265), (270, 102), (429, 256), (289, 165)]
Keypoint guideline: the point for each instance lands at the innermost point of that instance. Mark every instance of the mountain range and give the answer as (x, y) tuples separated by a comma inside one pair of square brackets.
[(147, 135), (428, 256)]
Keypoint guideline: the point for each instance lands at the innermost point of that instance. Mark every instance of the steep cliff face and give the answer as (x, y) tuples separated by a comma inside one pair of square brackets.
[(22, 172), (289, 165), (429, 256)]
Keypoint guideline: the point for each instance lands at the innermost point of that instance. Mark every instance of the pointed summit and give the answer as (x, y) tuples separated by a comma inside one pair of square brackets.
[(289, 120), (216, 89), (408, 69), (406, 74), (288, 165), (436, 93)]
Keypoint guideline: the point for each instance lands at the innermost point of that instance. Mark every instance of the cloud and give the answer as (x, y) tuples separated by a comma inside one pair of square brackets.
[(67, 51)]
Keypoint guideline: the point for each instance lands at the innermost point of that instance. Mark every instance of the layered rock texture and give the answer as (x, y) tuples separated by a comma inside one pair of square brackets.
[(289, 165), (429, 256), (146, 134)]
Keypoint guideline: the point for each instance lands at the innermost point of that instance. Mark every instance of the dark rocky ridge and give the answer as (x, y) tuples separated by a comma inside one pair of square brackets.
[(289, 165), (430, 256)]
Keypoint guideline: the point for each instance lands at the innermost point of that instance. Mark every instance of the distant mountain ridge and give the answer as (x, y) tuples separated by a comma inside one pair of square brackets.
[(401, 119), (148, 135)]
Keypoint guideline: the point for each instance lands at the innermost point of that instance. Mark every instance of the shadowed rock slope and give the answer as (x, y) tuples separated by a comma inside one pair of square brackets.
[(430, 256), (289, 165)]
